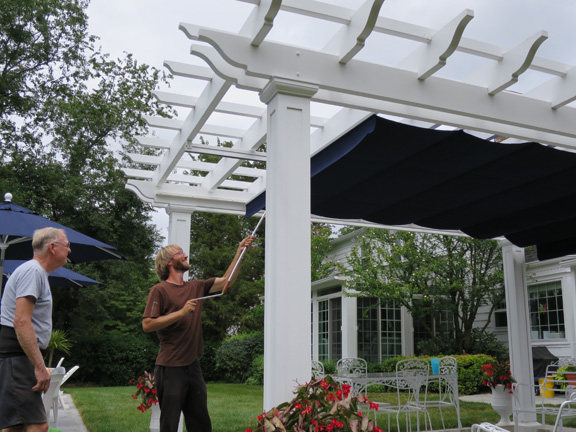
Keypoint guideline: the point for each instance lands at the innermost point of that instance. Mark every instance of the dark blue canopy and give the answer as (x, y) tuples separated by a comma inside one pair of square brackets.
[(17, 225), (396, 174), (61, 277)]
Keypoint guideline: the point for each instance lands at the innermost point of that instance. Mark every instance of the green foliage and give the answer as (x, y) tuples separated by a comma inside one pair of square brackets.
[(113, 358), (59, 342), (318, 405), (39, 40), (235, 356), (329, 367), (429, 275), (214, 239), (321, 266), (62, 103), (469, 370), (208, 361), (257, 371)]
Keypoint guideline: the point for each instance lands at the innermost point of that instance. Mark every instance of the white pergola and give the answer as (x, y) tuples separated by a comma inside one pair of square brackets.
[(309, 98)]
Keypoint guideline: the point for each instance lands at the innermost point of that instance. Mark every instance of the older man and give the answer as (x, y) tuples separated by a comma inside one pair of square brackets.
[(25, 330)]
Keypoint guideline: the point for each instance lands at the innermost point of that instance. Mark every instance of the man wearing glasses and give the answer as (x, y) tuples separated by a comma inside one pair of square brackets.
[(174, 312), (25, 330)]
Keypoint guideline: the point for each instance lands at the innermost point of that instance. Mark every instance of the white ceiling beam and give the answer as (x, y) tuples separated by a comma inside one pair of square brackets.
[(432, 56), (209, 99), (188, 70), (559, 91), (384, 25), (515, 62), (350, 39), (260, 21), (370, 80), (194, 165), (252, 140), (153, 142), (226, 152)]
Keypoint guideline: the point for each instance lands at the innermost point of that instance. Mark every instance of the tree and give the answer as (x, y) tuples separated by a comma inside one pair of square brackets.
[(429, 275), (214, 239), (67, 110), (321, 243), (39, 41)]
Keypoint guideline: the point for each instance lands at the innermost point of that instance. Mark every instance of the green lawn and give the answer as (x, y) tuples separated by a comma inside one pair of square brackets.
[(233, 408)]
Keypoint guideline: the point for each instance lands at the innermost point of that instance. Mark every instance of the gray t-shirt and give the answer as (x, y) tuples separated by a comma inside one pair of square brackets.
[(29, 279)]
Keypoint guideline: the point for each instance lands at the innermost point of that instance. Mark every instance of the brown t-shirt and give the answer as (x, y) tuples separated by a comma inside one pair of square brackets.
[(180, 343)]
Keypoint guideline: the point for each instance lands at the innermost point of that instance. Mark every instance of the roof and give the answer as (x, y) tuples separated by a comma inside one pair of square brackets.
[(350, 88)]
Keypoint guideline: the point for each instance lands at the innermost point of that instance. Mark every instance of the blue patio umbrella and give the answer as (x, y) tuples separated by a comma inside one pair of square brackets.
[(61, 277), (17, 225)]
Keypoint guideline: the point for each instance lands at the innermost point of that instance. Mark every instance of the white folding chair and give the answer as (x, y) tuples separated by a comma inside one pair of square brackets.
[(57, 399), (56, 377)]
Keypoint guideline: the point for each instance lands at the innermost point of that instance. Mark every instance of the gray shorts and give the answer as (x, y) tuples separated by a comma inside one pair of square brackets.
[(20, 405)]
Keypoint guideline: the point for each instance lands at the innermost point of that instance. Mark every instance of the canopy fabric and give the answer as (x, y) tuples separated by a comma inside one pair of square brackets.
[(396, 174), (17, 225), (61, 277)]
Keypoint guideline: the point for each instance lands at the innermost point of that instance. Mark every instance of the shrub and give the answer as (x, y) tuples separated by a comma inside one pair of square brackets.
[(256, 371), (469, 371), (112, 359), (208, 361), (234, 357)]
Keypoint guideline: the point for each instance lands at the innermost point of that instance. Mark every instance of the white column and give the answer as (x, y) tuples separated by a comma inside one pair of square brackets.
[(349, 326), (519, 330), (287, 353), (179, 230)]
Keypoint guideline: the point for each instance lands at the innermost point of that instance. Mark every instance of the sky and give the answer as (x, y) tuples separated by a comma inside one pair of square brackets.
[(149, 29)]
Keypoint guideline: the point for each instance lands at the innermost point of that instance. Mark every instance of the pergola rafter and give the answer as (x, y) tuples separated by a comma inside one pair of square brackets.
[(347, 86)]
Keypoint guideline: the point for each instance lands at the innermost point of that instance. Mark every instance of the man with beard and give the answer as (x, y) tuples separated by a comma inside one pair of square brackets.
[(176, 316)]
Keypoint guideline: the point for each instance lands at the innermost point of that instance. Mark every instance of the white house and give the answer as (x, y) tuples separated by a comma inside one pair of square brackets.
[(342, 329)]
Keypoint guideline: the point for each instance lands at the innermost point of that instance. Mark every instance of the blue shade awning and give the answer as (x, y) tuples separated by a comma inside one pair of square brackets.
[(395, 174), (61, 277)]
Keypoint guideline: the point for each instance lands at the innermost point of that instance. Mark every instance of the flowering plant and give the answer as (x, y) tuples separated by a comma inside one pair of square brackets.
[(497, 373), (146, 391), (320, 405)]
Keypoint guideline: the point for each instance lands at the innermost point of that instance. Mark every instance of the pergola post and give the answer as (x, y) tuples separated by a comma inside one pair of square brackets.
[(519, 331), (287, 350), (179, 230)]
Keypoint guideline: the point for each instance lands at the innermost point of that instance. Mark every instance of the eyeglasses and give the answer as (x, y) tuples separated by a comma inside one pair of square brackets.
[(66, 245), (180, 252)]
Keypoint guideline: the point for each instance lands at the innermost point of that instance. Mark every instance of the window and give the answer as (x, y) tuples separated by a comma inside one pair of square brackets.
[(379, 330), (330, 329), (546, 311), (440, 323)]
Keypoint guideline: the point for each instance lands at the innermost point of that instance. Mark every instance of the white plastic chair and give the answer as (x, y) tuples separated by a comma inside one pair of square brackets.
[(56, 377), (57, 399)]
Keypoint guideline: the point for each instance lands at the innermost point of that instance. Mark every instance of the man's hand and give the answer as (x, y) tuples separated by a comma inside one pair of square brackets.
[(188, 308), (42, 379)]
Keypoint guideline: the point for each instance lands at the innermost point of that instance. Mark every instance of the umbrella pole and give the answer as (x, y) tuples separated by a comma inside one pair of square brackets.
[(3, 247)]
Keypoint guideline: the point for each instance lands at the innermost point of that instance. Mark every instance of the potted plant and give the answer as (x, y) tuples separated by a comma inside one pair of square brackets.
[(321, 404), (567, 375), (498, 377)]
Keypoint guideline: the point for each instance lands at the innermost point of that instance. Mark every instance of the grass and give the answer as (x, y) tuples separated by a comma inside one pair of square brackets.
[(234, 407)]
